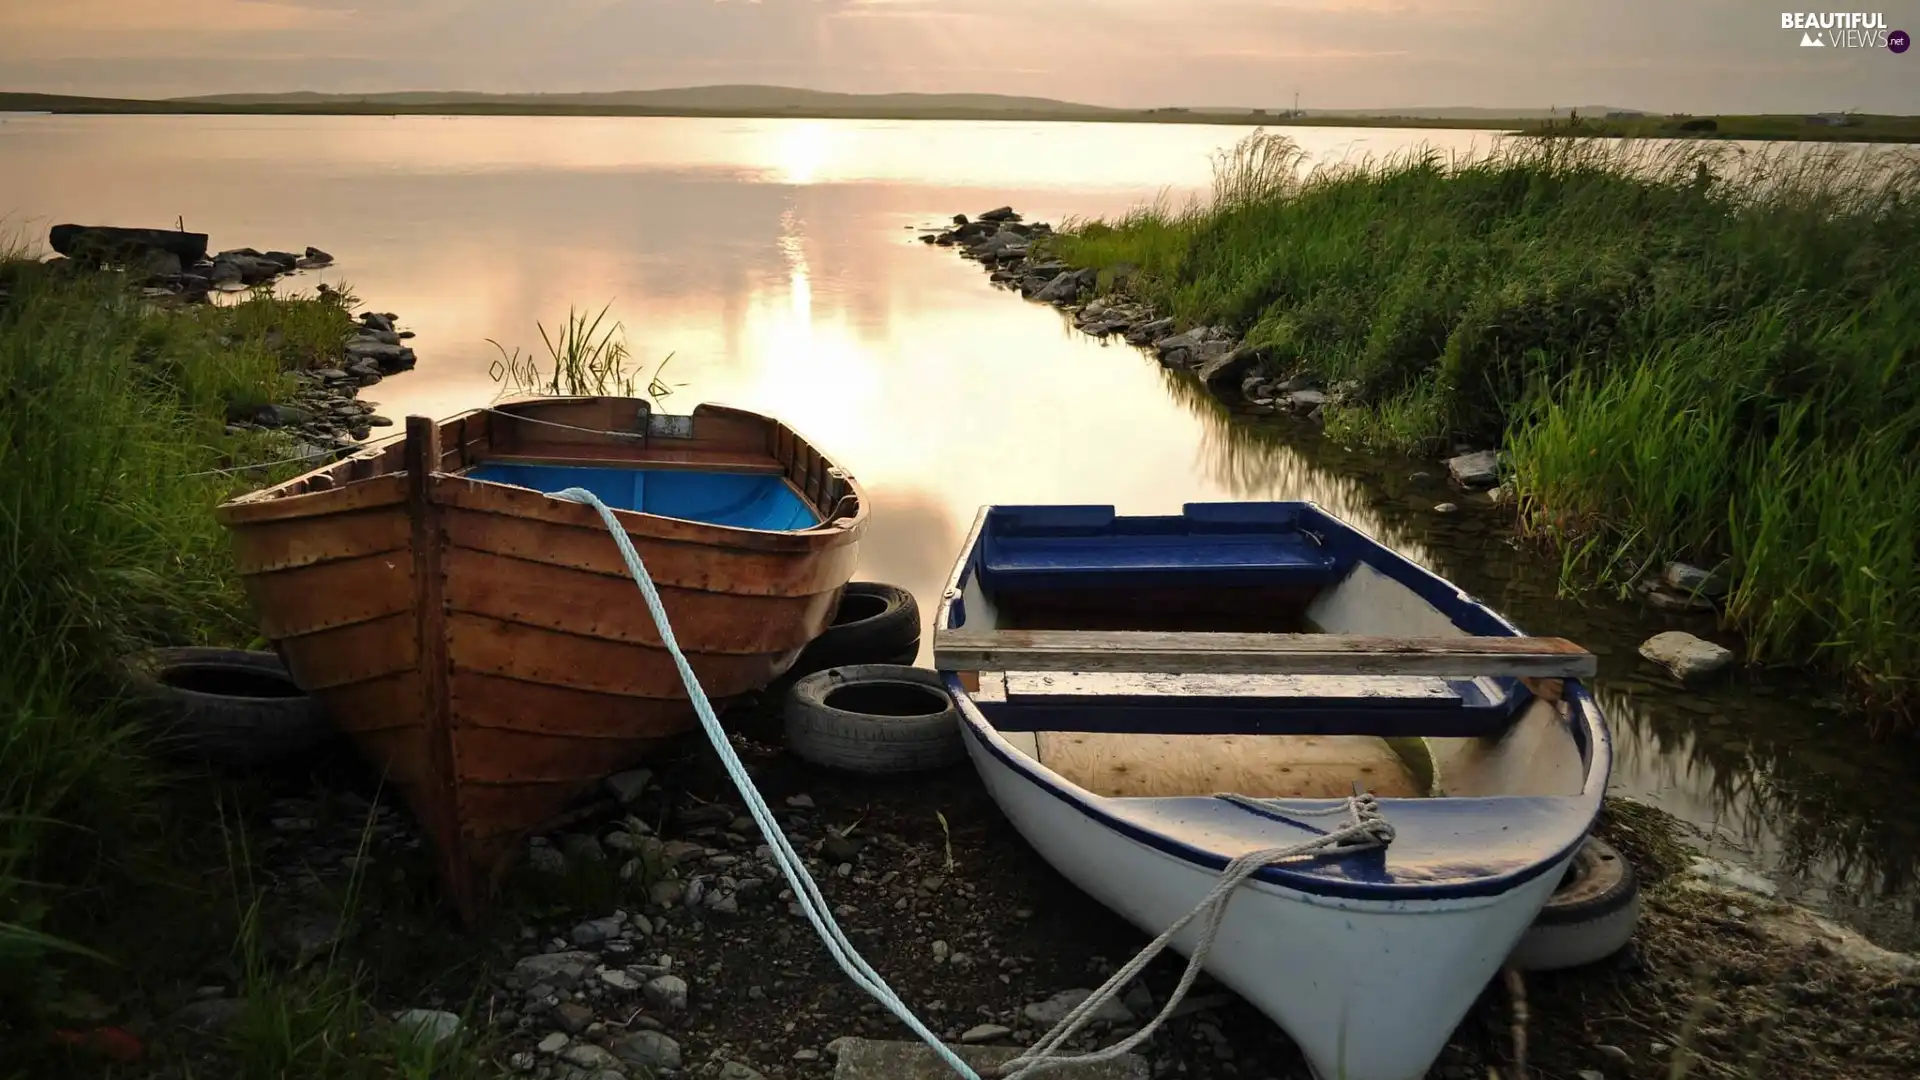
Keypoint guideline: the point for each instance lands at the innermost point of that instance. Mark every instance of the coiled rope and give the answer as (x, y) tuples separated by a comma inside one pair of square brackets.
[(1365, 829)]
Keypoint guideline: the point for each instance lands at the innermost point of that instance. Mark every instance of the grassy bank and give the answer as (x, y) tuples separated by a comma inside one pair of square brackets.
[(121, 875), (1851, 127), (1687, 351)]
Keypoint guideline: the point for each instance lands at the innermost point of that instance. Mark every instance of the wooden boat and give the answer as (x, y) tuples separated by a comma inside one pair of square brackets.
[(483, 642), (1150, 697)]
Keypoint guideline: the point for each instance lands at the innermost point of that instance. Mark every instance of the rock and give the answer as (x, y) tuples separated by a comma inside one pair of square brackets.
[(1613, 1054), (866, 1059), (1004, 213), (1685, 578), (589, 1056), (737, 1070), (667, 992), (107, 243), (562, 970), (1686, 656), (318, 256), (546, 860), (573, 1016), (281, 416), (959, 219), (595, 931), (1232, 366), (1590, 1074), (391, 358), (286, 260), (553, 1043), (376, 320), (384, 337), (1479, 469), (1445, 508), (154, 265), (1305, 400), (1064, 288), (1051, 1011), (650, 1050), (224, 273), (212, 1014), (620, 980), (985, 1033), (428, 1027)]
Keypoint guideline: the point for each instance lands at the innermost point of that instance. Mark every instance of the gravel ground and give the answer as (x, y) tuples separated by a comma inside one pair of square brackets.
[(657, 940)]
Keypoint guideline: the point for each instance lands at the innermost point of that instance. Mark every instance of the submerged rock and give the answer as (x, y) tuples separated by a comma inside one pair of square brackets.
[(1686, 578), (1479, 469), (1686, 656)]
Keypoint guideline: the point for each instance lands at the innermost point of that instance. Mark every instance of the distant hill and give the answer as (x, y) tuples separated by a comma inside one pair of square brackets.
[(693, 98)]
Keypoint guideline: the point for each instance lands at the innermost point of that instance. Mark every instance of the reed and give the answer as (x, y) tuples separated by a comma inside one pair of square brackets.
[(1687, 350), (586, 356)]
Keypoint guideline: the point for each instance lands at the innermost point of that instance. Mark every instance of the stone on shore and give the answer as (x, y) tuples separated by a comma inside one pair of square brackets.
[(867, 1059), (1004, 213), (1479, 469), (1685, 656), (1231, 367), (1686, 578)]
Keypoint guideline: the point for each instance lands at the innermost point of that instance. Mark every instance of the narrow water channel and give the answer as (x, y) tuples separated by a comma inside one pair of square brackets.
[(775, 261)]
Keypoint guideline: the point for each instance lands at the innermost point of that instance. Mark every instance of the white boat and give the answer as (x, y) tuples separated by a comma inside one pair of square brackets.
[(1117, 675)]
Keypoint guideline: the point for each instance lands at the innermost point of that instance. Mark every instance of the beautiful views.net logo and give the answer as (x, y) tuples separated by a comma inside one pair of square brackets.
[(1845, 30)]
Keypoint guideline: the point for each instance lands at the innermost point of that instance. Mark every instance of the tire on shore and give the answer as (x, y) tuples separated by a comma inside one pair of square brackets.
[(1591, 916), (224, 706), (875, 623), (874, 719)]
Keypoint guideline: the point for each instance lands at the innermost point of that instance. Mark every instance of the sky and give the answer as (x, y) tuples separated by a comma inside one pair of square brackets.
[(1662, 55)]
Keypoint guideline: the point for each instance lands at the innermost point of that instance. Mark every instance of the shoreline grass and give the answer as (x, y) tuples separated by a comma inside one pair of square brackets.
[(1686, 350), (114, 449)]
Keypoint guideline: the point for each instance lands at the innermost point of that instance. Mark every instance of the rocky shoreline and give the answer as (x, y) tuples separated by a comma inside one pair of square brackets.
[(324, 417)]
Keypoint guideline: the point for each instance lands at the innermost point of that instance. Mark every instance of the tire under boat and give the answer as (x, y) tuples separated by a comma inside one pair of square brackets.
[(1115, 674), (481, 641)]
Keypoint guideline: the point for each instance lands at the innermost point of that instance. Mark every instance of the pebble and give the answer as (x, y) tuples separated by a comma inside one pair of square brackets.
[(620, 980), (650, 1050), (667, 992), (553, 1043), (1051, 1011), (985, 1033), (429, 1026), (589, 1056)]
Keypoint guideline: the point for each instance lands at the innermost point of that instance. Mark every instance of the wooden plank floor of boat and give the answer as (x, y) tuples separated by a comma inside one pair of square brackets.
[(1119, 765)]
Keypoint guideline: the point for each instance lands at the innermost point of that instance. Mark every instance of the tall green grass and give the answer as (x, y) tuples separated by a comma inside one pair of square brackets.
[(112, 424), (1688, 350)]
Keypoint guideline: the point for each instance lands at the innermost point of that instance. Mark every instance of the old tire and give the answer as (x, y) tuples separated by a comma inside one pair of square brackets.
[(1591, 916), (225, 706), (875, 623), (874, 718)]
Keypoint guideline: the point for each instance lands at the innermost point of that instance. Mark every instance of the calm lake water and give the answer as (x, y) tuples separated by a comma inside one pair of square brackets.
[(776, 261)]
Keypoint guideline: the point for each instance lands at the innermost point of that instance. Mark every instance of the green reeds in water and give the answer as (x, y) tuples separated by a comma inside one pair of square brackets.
[(583, 359), (1689, 350)]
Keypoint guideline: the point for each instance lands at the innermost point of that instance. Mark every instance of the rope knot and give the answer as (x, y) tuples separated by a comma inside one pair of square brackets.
[(1369, 820)]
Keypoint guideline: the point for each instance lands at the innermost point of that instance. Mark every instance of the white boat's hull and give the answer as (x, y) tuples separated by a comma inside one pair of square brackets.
[(1369, 990)]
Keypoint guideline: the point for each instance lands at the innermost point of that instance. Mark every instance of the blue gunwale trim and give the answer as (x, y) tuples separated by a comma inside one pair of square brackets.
[(1589, 727)]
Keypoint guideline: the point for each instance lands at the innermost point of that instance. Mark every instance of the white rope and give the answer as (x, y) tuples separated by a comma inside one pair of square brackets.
[(812, 904), (260, 465), (566, 427), (1365, 829)]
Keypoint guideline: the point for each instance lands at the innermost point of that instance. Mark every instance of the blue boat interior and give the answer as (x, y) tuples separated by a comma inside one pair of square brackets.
[(738, 500), (1254, 567)]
